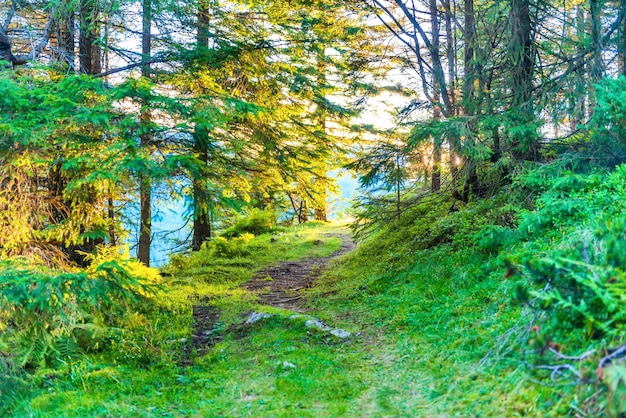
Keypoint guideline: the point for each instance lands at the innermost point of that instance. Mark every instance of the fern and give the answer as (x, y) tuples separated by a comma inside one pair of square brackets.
[(50, 316)]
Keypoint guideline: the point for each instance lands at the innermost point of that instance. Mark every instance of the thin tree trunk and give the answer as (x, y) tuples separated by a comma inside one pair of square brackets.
[(522, 58), (435, 183), (622, 39), (145, 183), (398, 186), (453, 141), (596, 70), (67, 36), (450, 52), (111, 210), (469, 76), (201, 219), (320, 210), (469, 98), (580, 95)]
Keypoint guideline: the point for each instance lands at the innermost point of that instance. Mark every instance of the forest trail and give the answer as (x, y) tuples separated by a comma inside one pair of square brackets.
[(281, 285)]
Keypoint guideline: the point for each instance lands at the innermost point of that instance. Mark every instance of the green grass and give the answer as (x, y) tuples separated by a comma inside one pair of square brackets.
[(422, 329), (428, 322), (138, 372)]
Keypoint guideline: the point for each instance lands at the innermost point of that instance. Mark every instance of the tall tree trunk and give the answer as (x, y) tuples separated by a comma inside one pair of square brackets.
[(321, 184), (67, 36), (522, 58), (89, 47), (201, 207), (579, 99), (450, 51), (622, 39), (453, 140), (596, 68), (435, 183), (145, 183), (5, 50), (469, 95), (469, 76)]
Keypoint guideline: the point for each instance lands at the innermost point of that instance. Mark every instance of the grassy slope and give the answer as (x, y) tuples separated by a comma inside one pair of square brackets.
[(426, 317)]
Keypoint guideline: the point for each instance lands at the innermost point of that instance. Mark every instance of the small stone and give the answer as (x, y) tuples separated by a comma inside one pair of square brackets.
[(288, 365), (256, 316), (338, 332), (316, 323), (183, 340)]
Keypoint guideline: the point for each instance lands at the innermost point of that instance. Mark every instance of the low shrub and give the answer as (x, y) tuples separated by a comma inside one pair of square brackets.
[(48, 315), (256, 222)]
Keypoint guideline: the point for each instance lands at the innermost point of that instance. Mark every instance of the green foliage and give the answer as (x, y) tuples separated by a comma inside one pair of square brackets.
[(255, 222), (608, 125), (147, 348), (48, 316), (582, 220)]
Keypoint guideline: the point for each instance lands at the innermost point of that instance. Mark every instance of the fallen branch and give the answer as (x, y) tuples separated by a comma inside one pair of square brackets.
[(562, 356), (616, 354), (557, 369), (289, 300)]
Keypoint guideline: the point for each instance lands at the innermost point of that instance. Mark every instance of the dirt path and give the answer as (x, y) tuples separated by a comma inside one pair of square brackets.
[(289, 279), (284, 290)]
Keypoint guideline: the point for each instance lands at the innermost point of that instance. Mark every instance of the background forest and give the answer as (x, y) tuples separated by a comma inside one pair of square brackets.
[(490, 272)]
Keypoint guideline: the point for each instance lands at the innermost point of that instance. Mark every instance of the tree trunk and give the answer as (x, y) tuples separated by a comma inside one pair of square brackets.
[(450, 52), (596, 68), (145, 183), (303, 212), (522, 58), (201, 207), (111, 213), (622, 39), (5, 49), (470, 76), (67, 36), (89, 47), (435, 183), (579, 99)]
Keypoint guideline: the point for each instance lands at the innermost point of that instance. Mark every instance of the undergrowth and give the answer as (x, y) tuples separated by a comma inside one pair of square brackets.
[(141, 363), (509, 306)]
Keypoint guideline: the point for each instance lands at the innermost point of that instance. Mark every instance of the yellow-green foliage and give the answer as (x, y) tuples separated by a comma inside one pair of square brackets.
[(48, 315)]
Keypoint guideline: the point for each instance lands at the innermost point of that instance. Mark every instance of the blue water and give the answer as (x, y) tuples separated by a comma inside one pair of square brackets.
[(172, 225)]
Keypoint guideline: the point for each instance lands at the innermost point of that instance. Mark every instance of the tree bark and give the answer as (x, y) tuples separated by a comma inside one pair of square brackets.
[(470, 77), (201, 206), (145, 183), (320, 211), (579, 98), (435, 182), (89, 47), (596, 68), (67, 36), (5, 49), (522, 58), (622, 39)]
